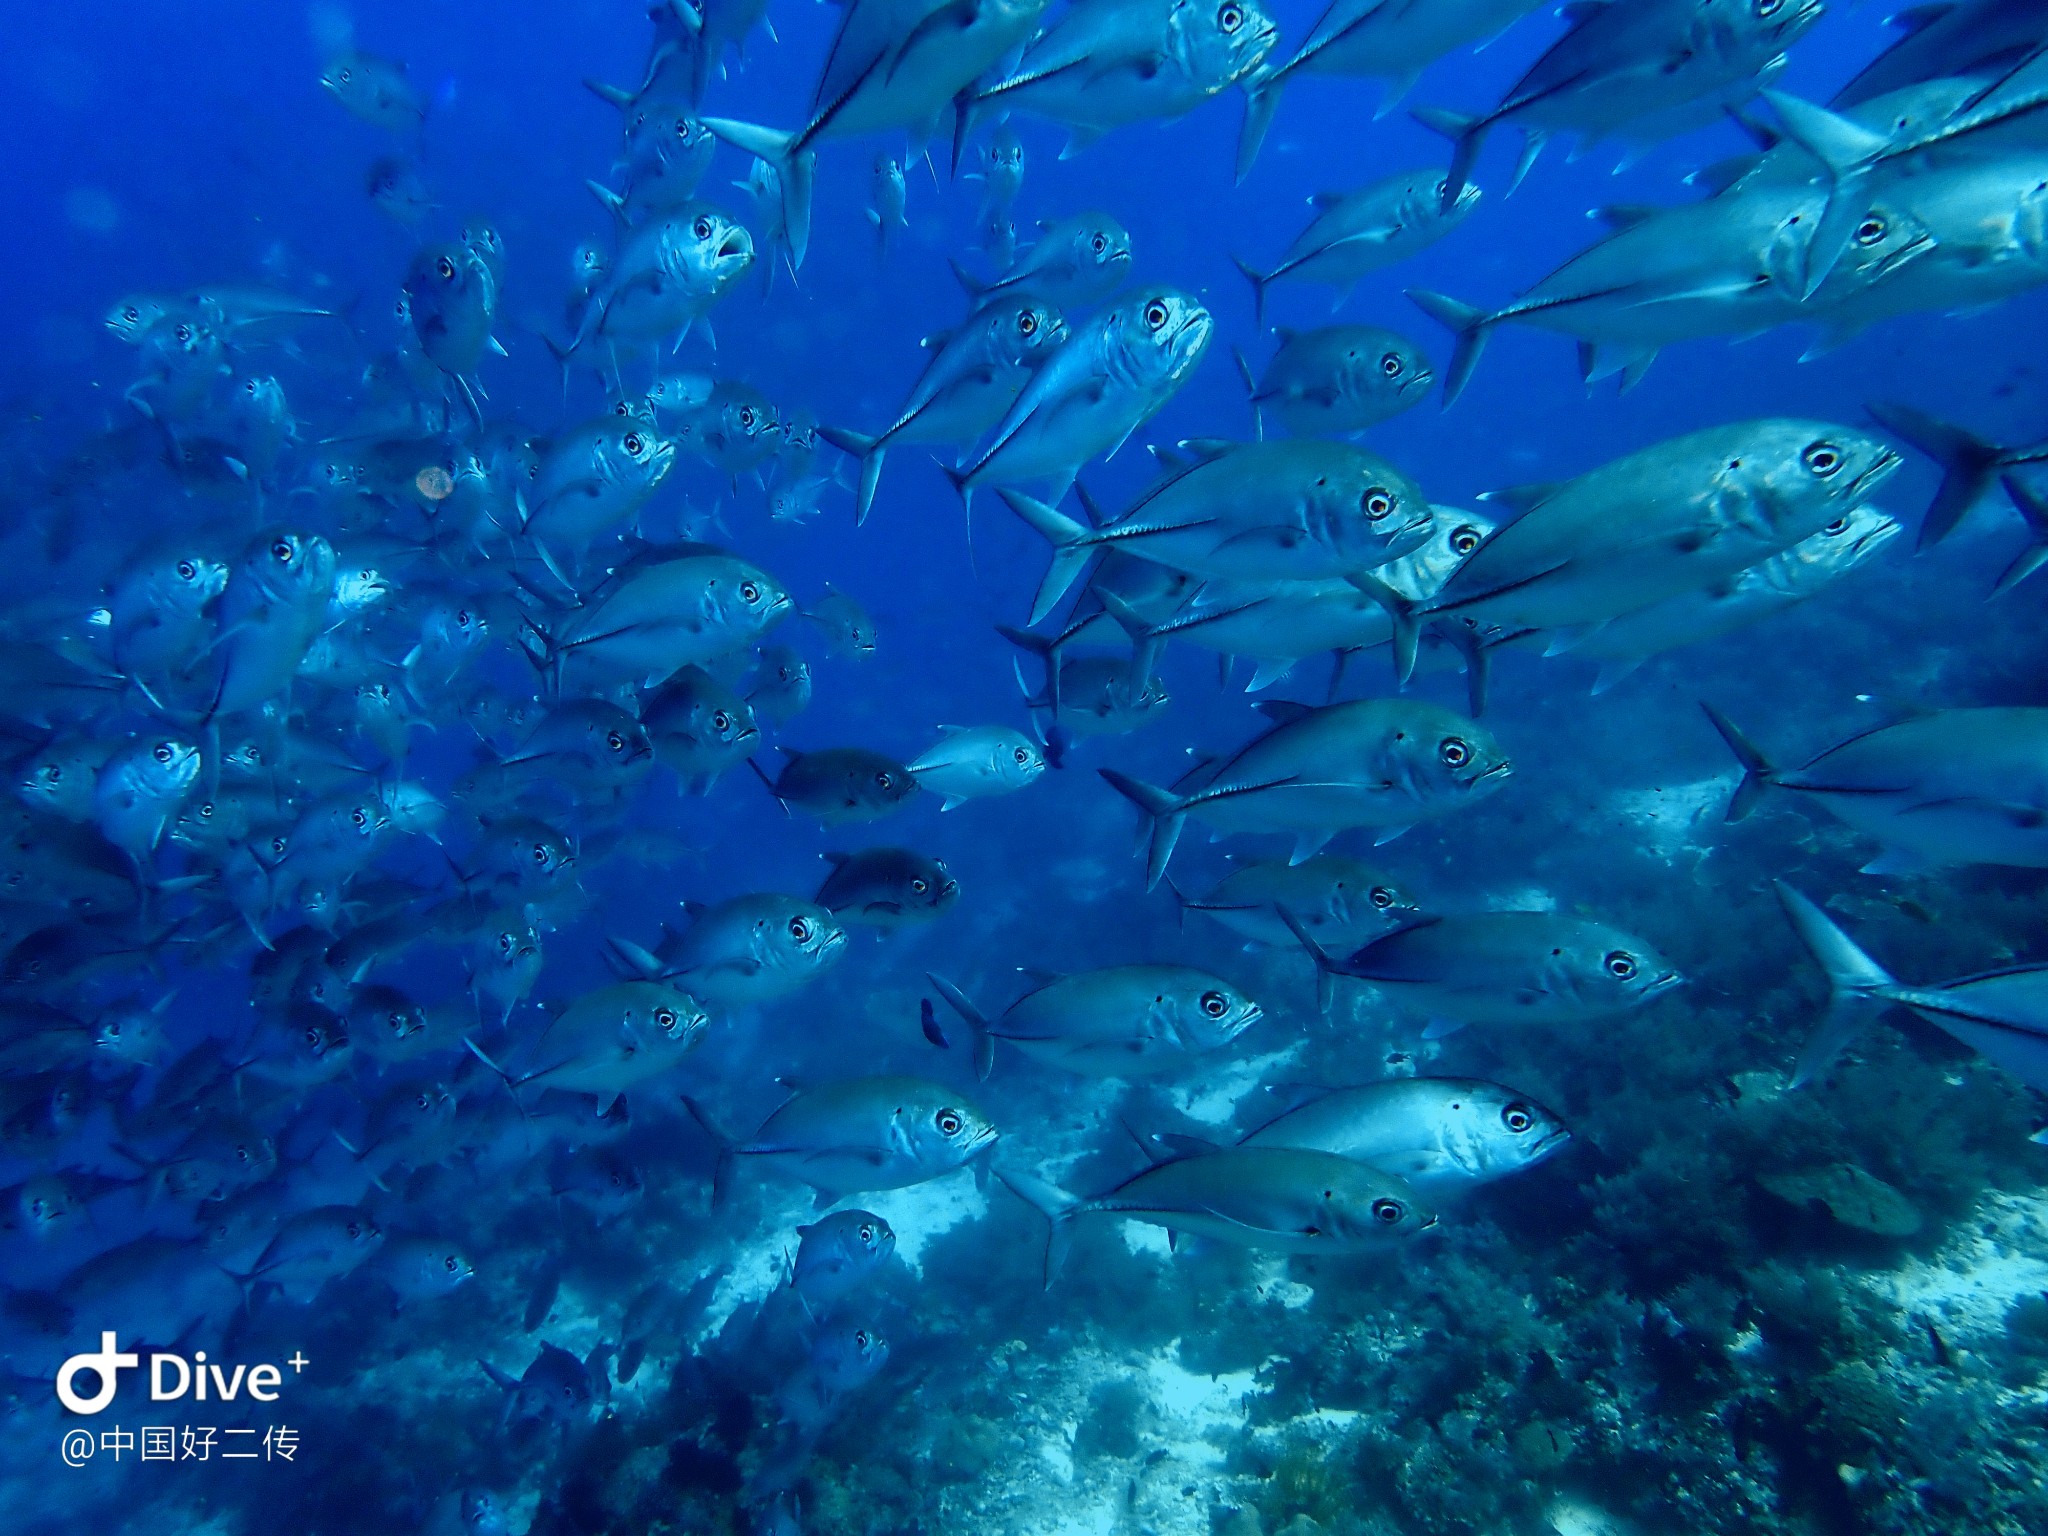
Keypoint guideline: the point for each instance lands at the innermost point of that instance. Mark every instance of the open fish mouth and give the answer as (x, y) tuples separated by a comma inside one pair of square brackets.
[(1670, 981), (736, 243)]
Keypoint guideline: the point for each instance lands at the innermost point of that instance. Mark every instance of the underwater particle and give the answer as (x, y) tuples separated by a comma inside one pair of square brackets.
[(1855, 1199), (1541, 1446), (92, 209), (434, 483)]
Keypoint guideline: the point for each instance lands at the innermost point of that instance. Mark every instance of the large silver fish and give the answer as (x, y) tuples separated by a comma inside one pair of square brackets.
[(1444, 1135), (1337, 380), (1107, 63), (1087, 398), (1294, 509), (1379, 763), (748, 949), (1955, 786), (1504, 968), (862, 1133), (1340, 900), (1354, 233), (1389, 40), (665, 616), (1640, 69), (1125, 1021), (1769, 587), (610, 1041), (1279, 1199), (976, 372), (1679, 515)]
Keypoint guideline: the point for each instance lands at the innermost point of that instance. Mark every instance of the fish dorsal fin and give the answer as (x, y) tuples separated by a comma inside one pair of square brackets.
[(1040, 977), (835, 859), (1618, 216), (1168, 459), (1325, 200), (1283, 711), (1520, 498), (1918, 18), (1182, 1145), (695, 909), (936, 340), (1286, 333), (1206, 448)]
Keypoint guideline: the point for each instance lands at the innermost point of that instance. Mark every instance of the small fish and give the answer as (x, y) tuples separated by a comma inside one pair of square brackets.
[(886, 200), (1125, 1021), (377, 91), (748, 949), (860, 1134), (837, 1254), (840, 784), (1280, 1199), (394, 184), (846, 627), (1340, 900), (969, 762), (886, 888)]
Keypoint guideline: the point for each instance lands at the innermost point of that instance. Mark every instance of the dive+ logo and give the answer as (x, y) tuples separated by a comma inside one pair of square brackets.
[(205, 1382)]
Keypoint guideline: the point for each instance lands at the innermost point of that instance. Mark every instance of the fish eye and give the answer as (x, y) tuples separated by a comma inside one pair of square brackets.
[(1822, 458), (682, 127), (860, 1338), (747, 417), (615, 741), (1027, 322), (1442, 187), (313, 1036), (163, 752), (701, 229), (187, 570), (1381, 897), (1871, 230), (1099, 244), (1517, 1118), (359, 816), (666, 1018), (1621, 965), (1454, 752), (1155, 314), (1020, 755), (1215, 1004), (1769, 7), (800, 929), (278, 846), (345, 76), (1378, 502), (282, 552), (721, 721), (462, 618), (505, 942), (1390, 364), (1839, 526), (1229, 19), (540, 853), (1465, 540), (184, 334), (866, 1232), (131, 313), (451, 1264), (206, 811), (633, 444), (949, 1122), (883, 780), (446, 268), (1387, 1212), (241, 1156)]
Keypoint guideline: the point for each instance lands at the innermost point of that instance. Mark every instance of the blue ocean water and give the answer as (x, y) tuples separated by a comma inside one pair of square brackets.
[(1724, 1304)]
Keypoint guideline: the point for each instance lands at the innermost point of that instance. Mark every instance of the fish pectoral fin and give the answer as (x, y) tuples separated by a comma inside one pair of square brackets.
[(1436, 1029)]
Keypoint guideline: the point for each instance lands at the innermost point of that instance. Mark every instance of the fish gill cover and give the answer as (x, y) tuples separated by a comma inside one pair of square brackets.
[(921, 767)]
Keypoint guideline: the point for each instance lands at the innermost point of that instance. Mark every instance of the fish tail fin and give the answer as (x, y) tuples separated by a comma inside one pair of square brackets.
[(1167, 811), (615, 95), (1400, 612), (1057, 1207), (1468, 327), (1146, 641), (1251, 390), (1261, 101), (1849, 153), (869, 452), (511, 1083), (721, 1172), (795, 167), (1326, 966), (1853, 980), (971, 285), (1466, 134), (973, 1018), (2033, 506), (1258, 280), (1757, 772), (1967, 464), (1071, 548)]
